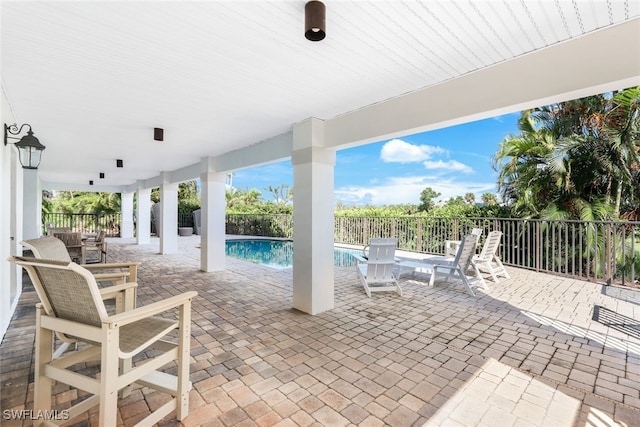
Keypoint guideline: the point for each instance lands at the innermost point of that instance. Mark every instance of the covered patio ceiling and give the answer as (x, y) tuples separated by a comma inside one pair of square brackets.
[(94, 78)]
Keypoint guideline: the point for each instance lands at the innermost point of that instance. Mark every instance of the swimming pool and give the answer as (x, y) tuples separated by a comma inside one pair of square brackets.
[(278, 253)]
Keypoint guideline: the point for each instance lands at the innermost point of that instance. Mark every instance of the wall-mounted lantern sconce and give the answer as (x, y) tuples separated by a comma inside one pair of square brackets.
[(158, 134), (29, 147), (314, 21), (101, 175), (119, 163)]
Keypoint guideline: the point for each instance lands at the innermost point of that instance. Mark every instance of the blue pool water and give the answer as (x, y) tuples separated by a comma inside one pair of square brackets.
[(278, 253)]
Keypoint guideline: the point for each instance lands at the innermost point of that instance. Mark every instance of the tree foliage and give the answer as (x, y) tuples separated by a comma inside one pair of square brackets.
[(576, 159)]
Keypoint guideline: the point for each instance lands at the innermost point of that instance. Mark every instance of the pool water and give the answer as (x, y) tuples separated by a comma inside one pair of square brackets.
[(278, 253)]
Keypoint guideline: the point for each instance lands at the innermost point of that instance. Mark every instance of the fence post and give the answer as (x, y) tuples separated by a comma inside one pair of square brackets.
[(538, 244), (419, 235)]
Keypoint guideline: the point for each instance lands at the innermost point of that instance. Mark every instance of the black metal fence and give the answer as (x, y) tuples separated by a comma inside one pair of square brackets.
[(604, 251)]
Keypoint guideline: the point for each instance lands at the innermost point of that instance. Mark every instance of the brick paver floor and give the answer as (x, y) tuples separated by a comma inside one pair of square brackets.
[(535, 350)]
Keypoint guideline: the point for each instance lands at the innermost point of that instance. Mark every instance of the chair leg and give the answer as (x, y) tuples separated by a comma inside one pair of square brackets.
[(184, 356), (44, 355), (109, 377)]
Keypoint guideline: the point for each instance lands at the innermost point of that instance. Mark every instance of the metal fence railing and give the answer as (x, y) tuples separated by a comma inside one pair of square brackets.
[(603, 251)]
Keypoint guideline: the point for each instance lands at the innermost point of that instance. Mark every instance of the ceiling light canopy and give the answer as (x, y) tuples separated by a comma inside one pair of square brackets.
[(314, 21)]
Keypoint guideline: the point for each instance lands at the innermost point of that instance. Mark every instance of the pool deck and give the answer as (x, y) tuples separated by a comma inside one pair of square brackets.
[(534, 350)]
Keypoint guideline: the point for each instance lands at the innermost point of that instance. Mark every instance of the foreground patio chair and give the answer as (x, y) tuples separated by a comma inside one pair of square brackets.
[(451, 246), (488, 260), (376, 270), (458, 266), (71, 305)]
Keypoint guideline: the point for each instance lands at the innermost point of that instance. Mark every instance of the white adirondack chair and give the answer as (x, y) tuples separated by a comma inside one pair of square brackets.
[(376, 271)]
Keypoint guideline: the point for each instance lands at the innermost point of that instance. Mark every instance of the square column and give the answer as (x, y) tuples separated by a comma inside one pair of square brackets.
[(212, 236), (143, 215), (168, 218), (126, 213), (313, 223)]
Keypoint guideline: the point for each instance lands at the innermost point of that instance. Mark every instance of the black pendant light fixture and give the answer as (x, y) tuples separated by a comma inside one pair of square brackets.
[(314, 21), (119, 163), (158, 134)]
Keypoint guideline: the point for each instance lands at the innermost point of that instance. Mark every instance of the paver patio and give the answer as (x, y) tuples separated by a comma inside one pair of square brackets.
[(527, 353)]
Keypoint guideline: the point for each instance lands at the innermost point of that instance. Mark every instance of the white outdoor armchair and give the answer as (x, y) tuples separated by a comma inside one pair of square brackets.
[(71, 305), (376, 271)]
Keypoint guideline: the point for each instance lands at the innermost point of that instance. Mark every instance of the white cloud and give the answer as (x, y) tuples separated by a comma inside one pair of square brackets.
[(403, 190), (400, 151), (449, 166)]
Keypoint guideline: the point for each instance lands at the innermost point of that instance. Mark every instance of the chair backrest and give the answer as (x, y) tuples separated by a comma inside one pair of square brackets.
[(477, 232), (65, 289), (70, 239), (51, 230), (381, 259), (465, 253), (48, 247), (490, 245)]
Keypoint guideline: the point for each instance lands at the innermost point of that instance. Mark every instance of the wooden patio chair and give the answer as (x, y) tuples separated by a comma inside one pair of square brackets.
[(71, 305), (487, 258), (97, 248), (74, 244), (376, 270)]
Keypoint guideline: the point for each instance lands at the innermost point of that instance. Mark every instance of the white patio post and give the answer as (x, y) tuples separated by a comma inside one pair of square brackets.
[(32, 204), (126, 214), (313, 281), (212, 226), (143, 216), (168, 218)]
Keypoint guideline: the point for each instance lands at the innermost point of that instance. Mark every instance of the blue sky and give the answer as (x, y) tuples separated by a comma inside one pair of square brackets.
[(453, 161)]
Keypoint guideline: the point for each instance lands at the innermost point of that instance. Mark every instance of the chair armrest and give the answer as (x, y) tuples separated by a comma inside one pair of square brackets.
[(113, 291), (134, 315), (360, 258), (131, 266)]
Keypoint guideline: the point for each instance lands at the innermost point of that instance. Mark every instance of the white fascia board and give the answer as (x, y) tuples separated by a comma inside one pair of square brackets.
[(597, 62)]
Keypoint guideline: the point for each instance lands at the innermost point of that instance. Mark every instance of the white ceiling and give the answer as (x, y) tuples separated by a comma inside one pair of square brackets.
[(94, 78)]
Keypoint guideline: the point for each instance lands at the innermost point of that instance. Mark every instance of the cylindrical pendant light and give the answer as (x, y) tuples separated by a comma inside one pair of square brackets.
[(314, 21)]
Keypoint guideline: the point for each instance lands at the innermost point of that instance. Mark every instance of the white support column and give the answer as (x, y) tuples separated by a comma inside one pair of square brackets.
[(32, 207), (313, 224), (168, 218), (143, 216), (126, 206), (212, 235)]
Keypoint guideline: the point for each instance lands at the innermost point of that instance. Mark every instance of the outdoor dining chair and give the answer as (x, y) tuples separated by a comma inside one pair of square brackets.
[(71, 306), (96, 249)]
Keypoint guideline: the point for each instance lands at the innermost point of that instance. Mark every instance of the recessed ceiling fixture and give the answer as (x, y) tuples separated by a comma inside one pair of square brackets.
[(29, 147), (119, 163), (314, 21), (101, 174), (158, 134)]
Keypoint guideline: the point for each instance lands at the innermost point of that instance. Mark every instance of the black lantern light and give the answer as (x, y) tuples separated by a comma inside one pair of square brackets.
[(29, 147)]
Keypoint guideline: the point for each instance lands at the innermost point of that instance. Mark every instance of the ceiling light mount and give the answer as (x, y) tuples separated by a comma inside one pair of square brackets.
[(314, 21), (119, 163), (158, 134), (29, 147), (101, 175)]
